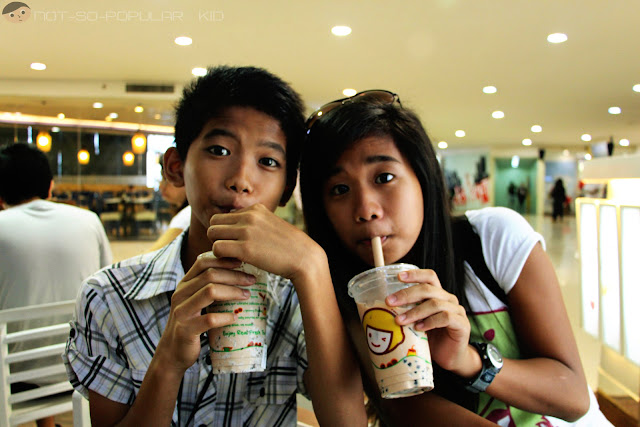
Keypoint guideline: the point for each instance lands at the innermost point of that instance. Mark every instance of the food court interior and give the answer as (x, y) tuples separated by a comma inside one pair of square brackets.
[(515, 94)]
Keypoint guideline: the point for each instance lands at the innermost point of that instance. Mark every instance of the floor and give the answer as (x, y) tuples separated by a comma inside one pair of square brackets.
[(560, 239)]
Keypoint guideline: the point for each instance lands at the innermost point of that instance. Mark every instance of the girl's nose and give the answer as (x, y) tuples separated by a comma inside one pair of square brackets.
[(368, 208)]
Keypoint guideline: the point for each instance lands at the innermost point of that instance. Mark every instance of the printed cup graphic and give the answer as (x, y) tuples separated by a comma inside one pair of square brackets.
[(241, 346), (399, 354)]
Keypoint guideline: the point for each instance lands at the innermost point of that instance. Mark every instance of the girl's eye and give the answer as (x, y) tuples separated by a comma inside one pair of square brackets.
[(219, 150), (385, 177), (270, 162), (339, 189)]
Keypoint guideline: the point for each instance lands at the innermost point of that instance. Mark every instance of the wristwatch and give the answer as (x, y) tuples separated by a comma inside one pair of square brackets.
[(491, 365)]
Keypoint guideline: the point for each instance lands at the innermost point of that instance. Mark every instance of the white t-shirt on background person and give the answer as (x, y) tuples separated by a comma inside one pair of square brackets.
[(182, 219), (47, 249)]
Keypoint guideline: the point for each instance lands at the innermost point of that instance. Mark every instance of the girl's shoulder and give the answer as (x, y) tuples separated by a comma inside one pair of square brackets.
[(507, 240), (497, 219)]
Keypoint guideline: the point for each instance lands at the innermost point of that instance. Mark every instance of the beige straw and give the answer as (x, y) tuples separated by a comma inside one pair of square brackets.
[(378, 257)]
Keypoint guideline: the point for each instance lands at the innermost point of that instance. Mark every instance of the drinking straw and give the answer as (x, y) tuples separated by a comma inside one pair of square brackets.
[(378, 256)]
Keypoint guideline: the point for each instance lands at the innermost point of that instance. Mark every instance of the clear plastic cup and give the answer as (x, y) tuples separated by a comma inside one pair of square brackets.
[(241, 346), (399, 354)]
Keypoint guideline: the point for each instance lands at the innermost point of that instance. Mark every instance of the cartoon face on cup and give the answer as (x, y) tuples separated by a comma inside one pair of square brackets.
[(382, 333), (399, 355)]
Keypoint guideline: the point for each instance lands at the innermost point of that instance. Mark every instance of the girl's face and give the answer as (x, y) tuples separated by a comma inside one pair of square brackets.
[(373, 191)]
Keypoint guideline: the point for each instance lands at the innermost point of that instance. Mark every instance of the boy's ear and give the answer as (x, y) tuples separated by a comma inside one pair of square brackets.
[(173, 167)]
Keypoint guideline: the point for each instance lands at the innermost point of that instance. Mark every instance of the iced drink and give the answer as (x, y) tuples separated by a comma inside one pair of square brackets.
[(399, 354), (241, 346)]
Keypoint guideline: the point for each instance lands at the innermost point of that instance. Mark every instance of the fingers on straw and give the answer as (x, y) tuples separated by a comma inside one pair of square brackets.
[(378, 257)]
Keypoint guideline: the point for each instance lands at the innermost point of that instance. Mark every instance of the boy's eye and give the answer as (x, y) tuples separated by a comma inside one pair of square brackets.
[(383, 178), (270, 162), (219, 150), (339, 189)]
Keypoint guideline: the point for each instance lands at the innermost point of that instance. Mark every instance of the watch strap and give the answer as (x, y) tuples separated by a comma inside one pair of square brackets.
[(487, 373)]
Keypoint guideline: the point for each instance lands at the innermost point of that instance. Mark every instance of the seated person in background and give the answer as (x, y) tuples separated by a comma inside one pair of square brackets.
[(139, 350), (47, 248), (177, 198)]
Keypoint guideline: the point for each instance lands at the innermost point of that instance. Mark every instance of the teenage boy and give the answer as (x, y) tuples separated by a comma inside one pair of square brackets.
[(138, 348)]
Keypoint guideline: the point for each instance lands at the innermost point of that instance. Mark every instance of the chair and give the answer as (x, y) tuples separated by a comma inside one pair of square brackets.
[(81, 416), (111, 213), (46, 400), (145, 212)]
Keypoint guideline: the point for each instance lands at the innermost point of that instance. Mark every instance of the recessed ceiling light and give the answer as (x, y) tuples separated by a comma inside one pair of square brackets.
[(489, 89), (615, 110), (157, 116), (38, 66), (341, 30), (61, 116), (586, 137), (113, 115), (443, 144), (527, 141), (587, 156), (460, 133), (636, 88), (557, 38), (97, 105), (138, 109), (183, 41), (497, 114), (515, 161), (565, 153), (55, 129), (624, 142), (199, 71), (349, 92), (536, 128)]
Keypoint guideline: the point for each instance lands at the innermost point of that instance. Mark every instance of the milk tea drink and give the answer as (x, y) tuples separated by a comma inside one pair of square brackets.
[(399, 354), (241, 346)]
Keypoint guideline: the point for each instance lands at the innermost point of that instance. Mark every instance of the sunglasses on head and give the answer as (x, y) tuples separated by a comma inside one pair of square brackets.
[(375, 95)]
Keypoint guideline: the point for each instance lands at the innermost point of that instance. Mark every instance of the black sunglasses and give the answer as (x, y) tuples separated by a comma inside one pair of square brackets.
[(374, 95)]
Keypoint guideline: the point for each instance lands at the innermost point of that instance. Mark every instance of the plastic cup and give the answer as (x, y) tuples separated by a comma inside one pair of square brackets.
[(241, 346), (399, 354)]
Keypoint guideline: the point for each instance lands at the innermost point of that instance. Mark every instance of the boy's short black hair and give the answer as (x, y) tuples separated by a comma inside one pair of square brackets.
[(24, 174), (224, 87)]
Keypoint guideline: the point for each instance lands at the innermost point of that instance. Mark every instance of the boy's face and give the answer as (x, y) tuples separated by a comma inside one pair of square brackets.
[(237, 160)]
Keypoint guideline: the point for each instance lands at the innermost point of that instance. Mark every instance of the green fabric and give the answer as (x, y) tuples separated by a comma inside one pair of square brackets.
[(496, 328)]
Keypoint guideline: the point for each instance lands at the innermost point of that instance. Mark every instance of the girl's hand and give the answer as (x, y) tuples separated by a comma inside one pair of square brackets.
[(438, 312)]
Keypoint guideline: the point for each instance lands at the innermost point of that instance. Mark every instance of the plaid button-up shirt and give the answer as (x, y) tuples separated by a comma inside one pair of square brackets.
[(121, 313)]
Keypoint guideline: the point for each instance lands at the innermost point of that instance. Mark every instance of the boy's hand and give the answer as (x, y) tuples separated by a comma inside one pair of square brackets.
[(208, 280), (259, 237), (438, 312)]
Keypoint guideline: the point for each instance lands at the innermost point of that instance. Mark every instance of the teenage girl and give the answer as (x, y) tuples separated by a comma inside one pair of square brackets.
[(505, 352)]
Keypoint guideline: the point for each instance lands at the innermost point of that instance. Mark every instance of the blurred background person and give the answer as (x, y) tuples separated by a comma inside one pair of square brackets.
[(559, 196), (47, 248), (181, 211)]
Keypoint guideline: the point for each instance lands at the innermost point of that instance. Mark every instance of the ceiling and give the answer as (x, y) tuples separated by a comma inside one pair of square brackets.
[(436, 54)]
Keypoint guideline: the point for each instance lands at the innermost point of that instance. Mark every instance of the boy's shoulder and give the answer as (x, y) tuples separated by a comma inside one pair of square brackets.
[(139, 277)]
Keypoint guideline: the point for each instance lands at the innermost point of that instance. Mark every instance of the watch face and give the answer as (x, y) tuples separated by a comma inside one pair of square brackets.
[(494, 356)]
